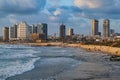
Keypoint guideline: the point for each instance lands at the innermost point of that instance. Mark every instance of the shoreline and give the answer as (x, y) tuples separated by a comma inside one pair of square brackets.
[(97, 48), (95, 66)]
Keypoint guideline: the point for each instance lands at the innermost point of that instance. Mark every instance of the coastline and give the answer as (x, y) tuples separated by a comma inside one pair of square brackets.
[(95, 65), (98, 48)]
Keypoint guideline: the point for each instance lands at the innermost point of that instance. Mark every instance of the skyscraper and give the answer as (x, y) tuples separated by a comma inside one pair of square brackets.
[(42, 30), (70, 32), (62, 31), (5, 33), (23, 32), (32, 29), (112, 32), (95, 27), (106, 28), (13, 32)]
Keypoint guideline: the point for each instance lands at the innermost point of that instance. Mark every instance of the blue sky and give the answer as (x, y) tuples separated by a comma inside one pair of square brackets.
[(75, 14)]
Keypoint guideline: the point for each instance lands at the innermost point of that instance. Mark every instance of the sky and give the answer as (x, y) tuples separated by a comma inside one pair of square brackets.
[(76, 14)]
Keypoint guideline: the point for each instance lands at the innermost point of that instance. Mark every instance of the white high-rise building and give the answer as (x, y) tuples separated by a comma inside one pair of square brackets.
[(70, 32), (23, 31)]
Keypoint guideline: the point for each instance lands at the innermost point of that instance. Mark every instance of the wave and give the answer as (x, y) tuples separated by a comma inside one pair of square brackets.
[(17, 67), (9, 46)]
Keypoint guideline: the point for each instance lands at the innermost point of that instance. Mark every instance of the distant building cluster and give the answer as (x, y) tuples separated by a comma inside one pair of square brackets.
[(63, 34), (39, 32), (23, 31), (107, 32)]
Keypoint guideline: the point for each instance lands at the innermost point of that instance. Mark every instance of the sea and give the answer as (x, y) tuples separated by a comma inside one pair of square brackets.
[(18, 59)]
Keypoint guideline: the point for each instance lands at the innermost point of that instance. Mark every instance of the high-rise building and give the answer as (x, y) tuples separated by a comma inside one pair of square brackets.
[(23, 32), (13, 32), (106, 28), (32, 29), (62, 31), (112, 32), (42, 30), (70, 32), (5, 33), (95, 27)]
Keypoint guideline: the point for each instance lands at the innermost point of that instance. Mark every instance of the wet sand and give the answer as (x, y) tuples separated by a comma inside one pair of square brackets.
[(95, 66)]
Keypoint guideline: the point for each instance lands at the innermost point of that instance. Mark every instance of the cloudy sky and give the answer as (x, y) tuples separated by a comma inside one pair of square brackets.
[(75, 14)]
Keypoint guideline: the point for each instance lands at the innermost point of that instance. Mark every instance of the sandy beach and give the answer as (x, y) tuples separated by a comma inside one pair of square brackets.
[(94, 66)]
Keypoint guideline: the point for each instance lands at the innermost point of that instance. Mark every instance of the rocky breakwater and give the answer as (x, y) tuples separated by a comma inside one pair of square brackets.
[(106, 49), (100, 48)]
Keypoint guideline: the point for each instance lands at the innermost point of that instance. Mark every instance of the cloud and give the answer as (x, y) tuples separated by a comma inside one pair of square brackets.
[(87, 3), (21, 7), (99, 8), (57, 12), (75, 13)]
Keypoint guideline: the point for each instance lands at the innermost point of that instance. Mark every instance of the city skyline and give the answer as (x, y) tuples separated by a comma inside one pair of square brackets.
[(76, 14)]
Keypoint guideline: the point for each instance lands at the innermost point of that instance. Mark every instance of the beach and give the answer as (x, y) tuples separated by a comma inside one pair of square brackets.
[(98, 48), (94, 66)]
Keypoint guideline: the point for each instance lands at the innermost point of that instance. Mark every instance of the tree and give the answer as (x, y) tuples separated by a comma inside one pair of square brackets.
[(34, 37)]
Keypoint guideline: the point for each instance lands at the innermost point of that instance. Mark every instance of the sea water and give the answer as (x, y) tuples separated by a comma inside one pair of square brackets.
[(17, 59)]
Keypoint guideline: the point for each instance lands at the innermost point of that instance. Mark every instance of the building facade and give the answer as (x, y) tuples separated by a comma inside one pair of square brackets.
[(62, 31), (42, 30), (23, 32), (112, 32), (13, 32), (5, 33), (32, 29), (106, 28), (70, 32), (95, 31)]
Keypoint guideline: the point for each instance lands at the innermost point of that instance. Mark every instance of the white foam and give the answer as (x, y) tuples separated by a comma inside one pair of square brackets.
[(16, 55), (17, 68), (8, 46)]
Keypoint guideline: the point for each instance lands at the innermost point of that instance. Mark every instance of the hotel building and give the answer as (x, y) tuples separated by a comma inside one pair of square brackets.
[(23, 32)]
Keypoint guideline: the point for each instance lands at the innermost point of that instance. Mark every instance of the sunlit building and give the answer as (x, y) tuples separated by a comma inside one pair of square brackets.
[(95, 31), (70, 32), (106, 28), (23, 32)]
